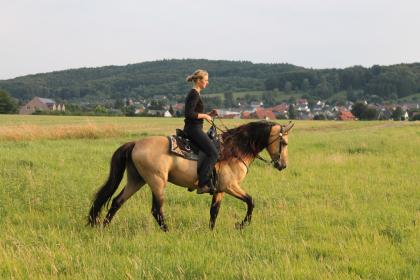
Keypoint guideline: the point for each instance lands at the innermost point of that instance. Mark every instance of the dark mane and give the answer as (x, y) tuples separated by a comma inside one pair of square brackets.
[(246, 140)]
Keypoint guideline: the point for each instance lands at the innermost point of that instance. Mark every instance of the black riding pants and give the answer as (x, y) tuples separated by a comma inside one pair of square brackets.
[(198, 137)]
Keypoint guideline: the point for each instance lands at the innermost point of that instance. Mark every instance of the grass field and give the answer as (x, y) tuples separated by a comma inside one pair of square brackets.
[(346, 207)]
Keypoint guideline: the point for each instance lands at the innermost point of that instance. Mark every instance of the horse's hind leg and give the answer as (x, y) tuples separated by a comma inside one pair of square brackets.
[(157, 211), (134, 183), (157, 185), (214, 209)]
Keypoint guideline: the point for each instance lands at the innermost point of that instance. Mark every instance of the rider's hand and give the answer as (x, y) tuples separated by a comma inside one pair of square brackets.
[(213, 113), (208, 117)]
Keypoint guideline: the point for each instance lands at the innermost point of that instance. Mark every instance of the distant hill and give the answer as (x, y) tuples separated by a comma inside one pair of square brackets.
[(142, 79), (167, 77)]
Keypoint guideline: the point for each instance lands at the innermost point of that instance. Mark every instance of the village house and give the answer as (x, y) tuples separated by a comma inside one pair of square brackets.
[(229, 113), (280, 110), (263, 114), (178, 109), (256, 104), (318, 107), (41, 104), (302, 106)]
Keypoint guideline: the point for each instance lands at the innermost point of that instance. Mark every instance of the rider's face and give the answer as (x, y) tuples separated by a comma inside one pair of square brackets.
[(202, 83)]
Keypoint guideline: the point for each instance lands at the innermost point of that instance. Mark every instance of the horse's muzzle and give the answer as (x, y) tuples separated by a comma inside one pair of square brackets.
[(279, 166)]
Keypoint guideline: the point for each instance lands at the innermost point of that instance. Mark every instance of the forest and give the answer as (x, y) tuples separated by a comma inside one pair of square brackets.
[(167, 77)]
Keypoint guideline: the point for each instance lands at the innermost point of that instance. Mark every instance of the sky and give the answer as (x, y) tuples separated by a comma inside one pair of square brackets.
[(50, 35)]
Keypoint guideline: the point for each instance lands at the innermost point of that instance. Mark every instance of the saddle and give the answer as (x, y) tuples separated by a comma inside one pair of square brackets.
[(180, 145)]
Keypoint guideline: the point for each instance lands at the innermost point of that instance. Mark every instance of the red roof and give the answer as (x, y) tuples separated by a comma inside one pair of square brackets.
[(178, 106), (246, 115), (345, 116), (281, 108), (261, 113)]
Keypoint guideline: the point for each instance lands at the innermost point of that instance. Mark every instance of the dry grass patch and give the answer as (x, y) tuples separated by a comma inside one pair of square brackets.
[(36, 132)]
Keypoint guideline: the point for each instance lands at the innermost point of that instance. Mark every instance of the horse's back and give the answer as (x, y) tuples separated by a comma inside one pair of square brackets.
[(153, 147)]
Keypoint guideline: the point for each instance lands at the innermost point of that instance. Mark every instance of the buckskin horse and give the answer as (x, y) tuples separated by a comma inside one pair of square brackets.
[(148, 161)]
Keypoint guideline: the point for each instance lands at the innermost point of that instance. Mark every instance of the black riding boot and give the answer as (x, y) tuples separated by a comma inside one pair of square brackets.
[(210, 186)]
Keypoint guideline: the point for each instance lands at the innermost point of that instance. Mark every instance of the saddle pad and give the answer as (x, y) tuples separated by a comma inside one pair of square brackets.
[(181, 147)]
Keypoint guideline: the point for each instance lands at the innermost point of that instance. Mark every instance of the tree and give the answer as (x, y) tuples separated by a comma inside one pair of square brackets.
[(211, 103), (305, 85), (291, 112), (288, 86), (324, 89), (397, 114), (156, 105), (228, 99), (268, 99), (171, 110), (119, 104), (100, 110), (370, 114), (351, 95), (130, 111), (7, 104), (363, 112), (358, 110)]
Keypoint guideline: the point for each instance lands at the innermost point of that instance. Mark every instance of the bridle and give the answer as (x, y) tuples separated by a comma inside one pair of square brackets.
[(275, 159)]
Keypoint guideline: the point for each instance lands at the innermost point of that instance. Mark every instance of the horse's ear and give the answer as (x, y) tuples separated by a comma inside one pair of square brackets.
[(288, 127)]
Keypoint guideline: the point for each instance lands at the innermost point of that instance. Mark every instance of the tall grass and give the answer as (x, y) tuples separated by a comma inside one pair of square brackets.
[(347, 207)]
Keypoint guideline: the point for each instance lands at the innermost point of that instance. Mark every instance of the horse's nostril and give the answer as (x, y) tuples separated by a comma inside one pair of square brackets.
[(281, 167)]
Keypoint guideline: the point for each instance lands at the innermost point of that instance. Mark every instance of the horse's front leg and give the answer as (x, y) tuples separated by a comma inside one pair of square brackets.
[(236, 191), (214, 209)]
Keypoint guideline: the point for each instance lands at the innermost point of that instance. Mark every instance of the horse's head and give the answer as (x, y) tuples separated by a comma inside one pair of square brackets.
[(277, 145)]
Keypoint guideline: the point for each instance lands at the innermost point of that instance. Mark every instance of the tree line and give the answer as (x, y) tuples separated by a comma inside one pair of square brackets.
[(167, 77), (386, 82)]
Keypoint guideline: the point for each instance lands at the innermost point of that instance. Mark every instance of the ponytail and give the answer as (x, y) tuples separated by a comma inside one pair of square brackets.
[(197, 75)]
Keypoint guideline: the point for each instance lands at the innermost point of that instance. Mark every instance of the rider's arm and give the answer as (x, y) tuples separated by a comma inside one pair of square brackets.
[(204, 116)]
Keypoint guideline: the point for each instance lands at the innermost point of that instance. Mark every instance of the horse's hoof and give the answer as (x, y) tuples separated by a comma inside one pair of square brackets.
[(239, 226), (93, 222)]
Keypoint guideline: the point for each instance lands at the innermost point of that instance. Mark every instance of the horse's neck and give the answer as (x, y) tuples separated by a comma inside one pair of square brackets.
[(242, 164)]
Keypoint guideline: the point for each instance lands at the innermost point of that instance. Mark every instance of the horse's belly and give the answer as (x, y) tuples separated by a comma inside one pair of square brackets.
[(183, 172)]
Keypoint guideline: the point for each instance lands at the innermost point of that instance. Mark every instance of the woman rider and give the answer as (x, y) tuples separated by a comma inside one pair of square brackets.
[(193, 128)]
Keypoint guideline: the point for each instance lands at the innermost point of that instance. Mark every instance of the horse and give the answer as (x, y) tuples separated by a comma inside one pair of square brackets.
[(148, 161)]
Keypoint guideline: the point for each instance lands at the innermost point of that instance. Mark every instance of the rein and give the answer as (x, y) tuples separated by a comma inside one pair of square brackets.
[(212, 123), (273, 161)]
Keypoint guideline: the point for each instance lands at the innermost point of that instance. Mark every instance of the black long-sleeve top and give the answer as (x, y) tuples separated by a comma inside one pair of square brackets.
[(193, 107)]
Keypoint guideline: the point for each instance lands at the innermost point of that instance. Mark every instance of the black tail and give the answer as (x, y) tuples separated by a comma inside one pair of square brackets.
[(118, 164)]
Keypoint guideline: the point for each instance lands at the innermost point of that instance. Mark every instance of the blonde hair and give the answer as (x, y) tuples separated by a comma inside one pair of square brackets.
[(197, 75)]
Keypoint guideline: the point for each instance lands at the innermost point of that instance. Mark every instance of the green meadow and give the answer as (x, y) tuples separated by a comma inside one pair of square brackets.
[(346, 207)]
